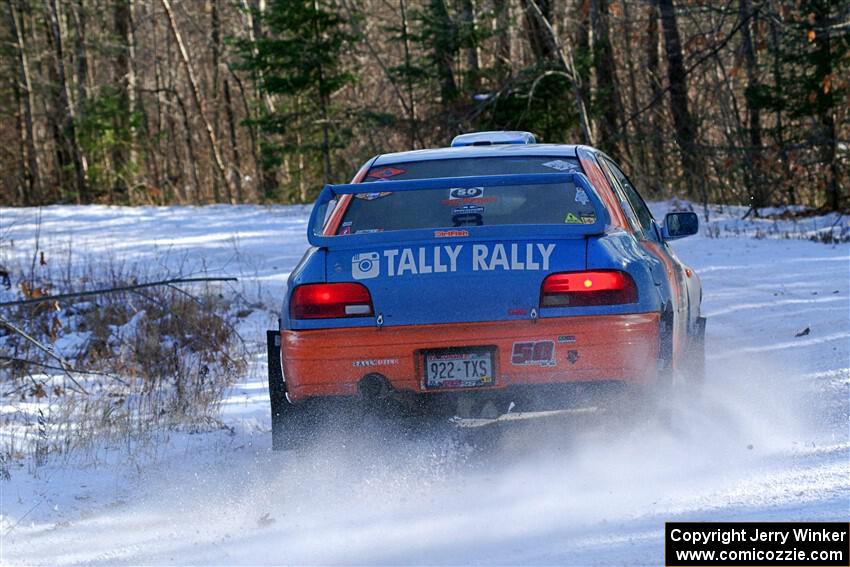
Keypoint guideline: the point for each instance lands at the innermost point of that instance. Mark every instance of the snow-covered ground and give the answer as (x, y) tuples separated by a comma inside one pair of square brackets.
[(768, 439)]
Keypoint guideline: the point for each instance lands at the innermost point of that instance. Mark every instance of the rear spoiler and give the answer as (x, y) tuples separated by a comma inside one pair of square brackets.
[(317, 237)]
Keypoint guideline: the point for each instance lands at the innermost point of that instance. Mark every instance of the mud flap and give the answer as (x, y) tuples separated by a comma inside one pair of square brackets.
[(654, 402), (694, 367), (665, 351), (700, 329), (277, 387)]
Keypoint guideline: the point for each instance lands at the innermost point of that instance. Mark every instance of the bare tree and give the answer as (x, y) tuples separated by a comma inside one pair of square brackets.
[(140, 101), (65, 115), (564, 58), (24, 84), (607, 87), (504, 59), (683, 123), (197, 96), (752, 167)]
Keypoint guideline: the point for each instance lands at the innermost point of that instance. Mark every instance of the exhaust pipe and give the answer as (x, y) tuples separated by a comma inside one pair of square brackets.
[(374, 387)]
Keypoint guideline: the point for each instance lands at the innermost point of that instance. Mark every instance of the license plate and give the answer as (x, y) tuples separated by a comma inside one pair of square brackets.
[(459, 368)]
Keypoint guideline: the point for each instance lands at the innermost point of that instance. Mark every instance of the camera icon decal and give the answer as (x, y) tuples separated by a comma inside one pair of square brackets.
[(365, 266)]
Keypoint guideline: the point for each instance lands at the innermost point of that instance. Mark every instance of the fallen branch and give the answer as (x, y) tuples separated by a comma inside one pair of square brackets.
[(66, 366), (112, 290), (52, 367)]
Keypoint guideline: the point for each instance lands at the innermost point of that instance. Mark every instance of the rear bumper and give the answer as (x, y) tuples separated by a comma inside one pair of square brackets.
[(331, 362)]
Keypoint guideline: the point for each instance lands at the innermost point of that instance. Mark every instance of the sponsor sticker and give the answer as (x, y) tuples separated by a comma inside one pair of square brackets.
[(451, 258), (537, 353), (450, 233), (366, 265), (571, 218), (581, 196), (372, 196), (559, 165), (466, 192), (469, 201), (386, 172), (468, 209), (375, 362)]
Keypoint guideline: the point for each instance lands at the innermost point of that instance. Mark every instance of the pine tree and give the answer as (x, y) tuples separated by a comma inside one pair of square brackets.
[(813, 55), (412, 72), (439, 38), (299, 62)]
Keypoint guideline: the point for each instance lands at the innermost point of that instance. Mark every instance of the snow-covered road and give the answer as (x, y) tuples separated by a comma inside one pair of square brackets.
[(768, 440)]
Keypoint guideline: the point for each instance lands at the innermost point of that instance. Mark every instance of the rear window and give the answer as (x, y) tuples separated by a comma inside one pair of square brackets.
[(472, 166), (378, 211)]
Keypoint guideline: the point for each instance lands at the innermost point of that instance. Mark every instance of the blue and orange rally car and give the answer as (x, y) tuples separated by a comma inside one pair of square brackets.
[(493, 266)]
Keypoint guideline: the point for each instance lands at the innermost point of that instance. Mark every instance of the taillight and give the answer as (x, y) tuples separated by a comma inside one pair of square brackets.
[(326, 300), (582, 289)]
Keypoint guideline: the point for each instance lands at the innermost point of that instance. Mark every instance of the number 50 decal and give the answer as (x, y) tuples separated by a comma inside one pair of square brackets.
[(540, 353), (465, 192)]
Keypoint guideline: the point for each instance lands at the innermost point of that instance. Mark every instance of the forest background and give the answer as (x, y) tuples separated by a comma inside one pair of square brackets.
[(133, 102)]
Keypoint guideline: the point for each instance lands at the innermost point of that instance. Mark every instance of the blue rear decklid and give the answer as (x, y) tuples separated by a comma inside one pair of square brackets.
[(454, 274)]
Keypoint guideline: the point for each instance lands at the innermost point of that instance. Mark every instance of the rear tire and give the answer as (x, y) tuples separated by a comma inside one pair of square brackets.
[(294, 425), (282, 425)]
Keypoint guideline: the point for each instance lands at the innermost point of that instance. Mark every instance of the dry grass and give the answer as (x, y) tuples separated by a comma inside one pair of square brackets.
[(150, 361)]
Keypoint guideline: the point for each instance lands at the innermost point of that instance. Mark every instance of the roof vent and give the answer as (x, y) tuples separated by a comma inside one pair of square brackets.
[(493, 138)]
